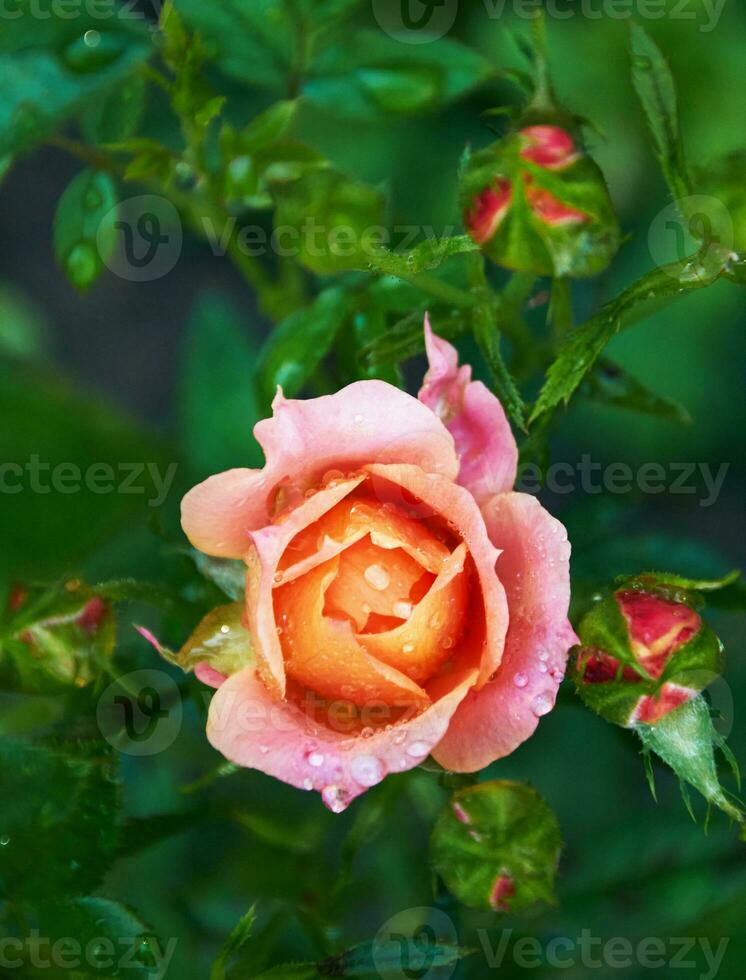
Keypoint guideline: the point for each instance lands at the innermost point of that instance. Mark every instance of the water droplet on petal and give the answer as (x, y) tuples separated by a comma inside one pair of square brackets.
[(418, 749), (367, 733), (402, 609), (407, 648), (307, 784), (541, 704), (520, 680), (367, 770), (315, 759), (359, 419), (377, 577), (334, 798), (400, 736)]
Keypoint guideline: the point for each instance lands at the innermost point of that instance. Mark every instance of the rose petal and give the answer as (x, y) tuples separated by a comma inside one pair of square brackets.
[(534, 567), (488, 454), (322, 654), (418, 646), (366, 421), (252, 729), (208, 675), (268, 545), (457, 506)]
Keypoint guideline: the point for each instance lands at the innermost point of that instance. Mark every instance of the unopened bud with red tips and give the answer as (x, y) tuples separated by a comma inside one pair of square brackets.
[(536, 202), (644, 651), (56, 638)]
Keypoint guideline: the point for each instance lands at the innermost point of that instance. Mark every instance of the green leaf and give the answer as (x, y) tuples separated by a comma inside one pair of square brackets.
[(610, 384), (67, 795), (218, 407), (52, 66), (368, 74), (423, 257), (397, 956), (23, 329), (686, 740), (238, 937), (487, 336), (656, 90), (406, 339), (109, 935), (229, 574), (496, 845), (586, 342), (115, 115), (84, 227), (299, 343), (331, 222)]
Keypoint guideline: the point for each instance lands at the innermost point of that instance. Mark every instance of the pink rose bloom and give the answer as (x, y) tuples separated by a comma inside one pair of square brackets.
[(401, 599)]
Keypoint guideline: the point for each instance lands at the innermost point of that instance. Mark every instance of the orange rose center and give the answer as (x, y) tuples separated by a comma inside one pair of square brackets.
[(371, 604)]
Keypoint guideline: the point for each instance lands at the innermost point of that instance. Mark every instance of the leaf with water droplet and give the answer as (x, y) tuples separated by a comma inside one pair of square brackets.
[(84, 227)]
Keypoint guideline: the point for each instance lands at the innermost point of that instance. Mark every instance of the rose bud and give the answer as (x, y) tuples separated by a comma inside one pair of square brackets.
[(401, 598), (56, 638), (644, 652), (537, 203)]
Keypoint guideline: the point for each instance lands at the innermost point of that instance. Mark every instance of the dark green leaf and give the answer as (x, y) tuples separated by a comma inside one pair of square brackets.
[(67, 795), (299, 343), (52, 65), (84, 227), (586, 342), (116, 114), (368, 74), (656, 89), (397, 956), (496, 845), (238, 937), (612, 385), (218, 406)]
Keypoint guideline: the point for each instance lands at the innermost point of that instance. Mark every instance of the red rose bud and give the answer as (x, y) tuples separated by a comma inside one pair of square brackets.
[(496, 846), (56, 638), (642, 654), (536, 203)]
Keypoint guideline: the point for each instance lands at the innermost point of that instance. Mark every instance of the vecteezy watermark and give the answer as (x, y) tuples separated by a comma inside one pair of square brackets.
[(420, 21), (100, 953), (36, 475), (416, 944), (679, 230), (148, 238), (140, 713), (596, 953), (594, 477)]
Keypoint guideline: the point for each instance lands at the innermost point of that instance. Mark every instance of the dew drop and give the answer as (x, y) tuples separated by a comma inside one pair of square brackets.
[(403, 609), (541, 704), (376, 577), (315, 759), (520, 680), (367, 733), (367, 770), (307, 783), (400, 736), (4, 841), (407, 648), (418, 749), (359, 419), (334, 798)]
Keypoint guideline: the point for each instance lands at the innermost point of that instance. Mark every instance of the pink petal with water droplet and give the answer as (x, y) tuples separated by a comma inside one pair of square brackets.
[(487, 450), (368, 421), (250, 728), (534, 567)]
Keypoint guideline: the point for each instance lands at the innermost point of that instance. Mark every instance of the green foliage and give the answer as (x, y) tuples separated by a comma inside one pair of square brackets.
[(612, 385), (219, 640), (84, 227), (238, 937), (68, 794), (496, 845), (656, 90), (218, 403)]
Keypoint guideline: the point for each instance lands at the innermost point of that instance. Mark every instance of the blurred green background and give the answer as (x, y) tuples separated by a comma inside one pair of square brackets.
[(138, 372)]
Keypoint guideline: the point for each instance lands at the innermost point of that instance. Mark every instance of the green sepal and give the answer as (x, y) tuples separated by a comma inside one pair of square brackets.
[(220, 640), (492, 831), (686, 740)]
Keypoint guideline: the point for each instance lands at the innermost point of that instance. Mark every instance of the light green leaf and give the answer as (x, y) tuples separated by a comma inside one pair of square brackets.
[(423, 257), (299, 343), (656, 90), (84, 227)]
